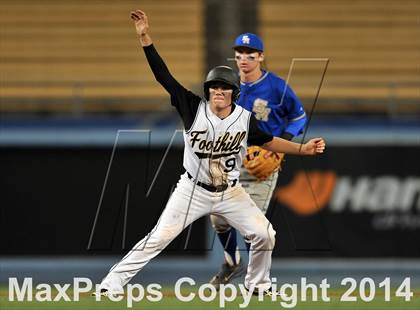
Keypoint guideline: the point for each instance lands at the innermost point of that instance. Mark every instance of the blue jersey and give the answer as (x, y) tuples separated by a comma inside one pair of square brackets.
[(274, 104)]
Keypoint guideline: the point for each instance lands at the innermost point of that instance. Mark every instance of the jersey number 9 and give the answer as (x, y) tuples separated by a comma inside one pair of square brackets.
[(230, 164)]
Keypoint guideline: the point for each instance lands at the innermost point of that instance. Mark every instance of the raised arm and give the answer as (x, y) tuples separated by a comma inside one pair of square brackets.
[(312, 147), (158, 66)]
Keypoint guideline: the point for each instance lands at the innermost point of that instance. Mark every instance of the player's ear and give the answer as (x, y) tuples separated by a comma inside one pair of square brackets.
[(261, 57)]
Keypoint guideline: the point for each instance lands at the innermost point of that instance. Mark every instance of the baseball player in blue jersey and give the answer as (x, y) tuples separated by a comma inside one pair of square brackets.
[(280, 113)]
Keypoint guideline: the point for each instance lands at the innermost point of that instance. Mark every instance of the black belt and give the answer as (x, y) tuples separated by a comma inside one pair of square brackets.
[(212, 188)]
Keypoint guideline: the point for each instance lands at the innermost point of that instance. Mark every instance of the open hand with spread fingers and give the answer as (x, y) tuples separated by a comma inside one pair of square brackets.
[(313, 147), (140, 21)]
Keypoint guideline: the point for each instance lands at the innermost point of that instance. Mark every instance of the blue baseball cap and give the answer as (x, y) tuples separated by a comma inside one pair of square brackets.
[(249, 40)]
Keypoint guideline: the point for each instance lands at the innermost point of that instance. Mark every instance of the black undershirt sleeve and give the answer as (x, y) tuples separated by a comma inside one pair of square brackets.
[(185, 101), (255, 135)]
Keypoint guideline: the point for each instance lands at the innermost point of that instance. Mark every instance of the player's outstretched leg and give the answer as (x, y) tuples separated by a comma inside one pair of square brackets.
[(180, 212), (241, 212), (259, 191)]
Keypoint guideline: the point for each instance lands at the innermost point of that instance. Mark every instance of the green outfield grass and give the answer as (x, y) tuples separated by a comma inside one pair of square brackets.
[(169, 301)]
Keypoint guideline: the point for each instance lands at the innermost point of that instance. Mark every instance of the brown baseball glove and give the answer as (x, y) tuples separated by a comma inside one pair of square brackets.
[(259, 166)]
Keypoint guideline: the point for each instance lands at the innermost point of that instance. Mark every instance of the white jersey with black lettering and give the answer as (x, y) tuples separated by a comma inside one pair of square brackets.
[(213, 154), (214, 147)]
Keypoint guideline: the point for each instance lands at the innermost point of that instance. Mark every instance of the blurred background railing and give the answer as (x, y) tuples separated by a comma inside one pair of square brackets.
[(85, 98)]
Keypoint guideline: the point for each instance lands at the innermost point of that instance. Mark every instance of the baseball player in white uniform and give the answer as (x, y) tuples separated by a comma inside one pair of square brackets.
[(216, 132)]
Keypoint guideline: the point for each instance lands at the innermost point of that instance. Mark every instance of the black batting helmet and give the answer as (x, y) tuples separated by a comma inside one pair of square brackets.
[(225, 75)]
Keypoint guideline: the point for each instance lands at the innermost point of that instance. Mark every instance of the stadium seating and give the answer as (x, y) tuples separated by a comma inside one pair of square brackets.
[(373, 49), (75, 55), (70, 55)]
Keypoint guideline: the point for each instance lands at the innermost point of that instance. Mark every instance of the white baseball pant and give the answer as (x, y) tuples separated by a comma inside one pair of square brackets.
[(187, 203), (260, 192)]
